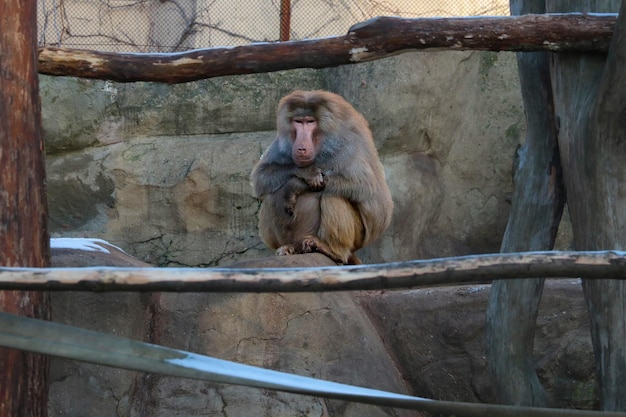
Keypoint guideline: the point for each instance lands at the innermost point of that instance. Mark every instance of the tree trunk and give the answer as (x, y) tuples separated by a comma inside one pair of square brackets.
[(590, 104), (23, 219), (538, 201)]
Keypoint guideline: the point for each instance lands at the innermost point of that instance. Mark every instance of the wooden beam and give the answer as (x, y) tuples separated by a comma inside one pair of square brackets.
[(374, 39), (423, 273), (536, 208)]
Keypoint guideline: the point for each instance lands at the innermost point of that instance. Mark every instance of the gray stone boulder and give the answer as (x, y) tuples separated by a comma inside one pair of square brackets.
[(322, 335), (424, 342), (436, 336)]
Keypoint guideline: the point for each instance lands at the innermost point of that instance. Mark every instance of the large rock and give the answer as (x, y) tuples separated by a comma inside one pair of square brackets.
[(427, 342), (320, 335), (437, 337), (323, 335)]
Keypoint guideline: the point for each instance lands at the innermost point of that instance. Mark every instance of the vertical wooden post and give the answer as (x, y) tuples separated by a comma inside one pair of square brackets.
[(285, 20), (23, 213), (538, 202), (589, 96)]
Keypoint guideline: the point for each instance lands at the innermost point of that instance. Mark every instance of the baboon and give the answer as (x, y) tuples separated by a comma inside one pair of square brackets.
[(321, 183)]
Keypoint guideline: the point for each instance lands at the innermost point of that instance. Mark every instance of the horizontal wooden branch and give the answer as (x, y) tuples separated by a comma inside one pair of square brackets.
[(374, 39), (421, 273)]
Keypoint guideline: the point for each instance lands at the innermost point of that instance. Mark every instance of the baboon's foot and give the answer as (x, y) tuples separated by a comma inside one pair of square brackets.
[(314, 244), (285, 250)]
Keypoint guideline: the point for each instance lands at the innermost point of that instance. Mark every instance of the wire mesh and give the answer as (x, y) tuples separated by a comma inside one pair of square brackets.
[(178, 25)]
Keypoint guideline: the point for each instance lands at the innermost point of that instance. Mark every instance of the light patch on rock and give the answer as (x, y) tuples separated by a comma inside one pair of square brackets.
[(84, 244)]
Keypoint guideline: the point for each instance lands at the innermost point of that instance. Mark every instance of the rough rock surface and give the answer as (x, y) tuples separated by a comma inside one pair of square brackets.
[(427, 342), (323, 335), (436, 336), (163, 171)]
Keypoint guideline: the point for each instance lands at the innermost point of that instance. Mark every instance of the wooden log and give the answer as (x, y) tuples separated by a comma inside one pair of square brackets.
[(422, 273), (538, 200), (590, 100), (23, 208), (374, 39)]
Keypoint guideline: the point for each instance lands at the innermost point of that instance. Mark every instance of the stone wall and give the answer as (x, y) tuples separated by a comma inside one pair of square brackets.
[(163, 171)]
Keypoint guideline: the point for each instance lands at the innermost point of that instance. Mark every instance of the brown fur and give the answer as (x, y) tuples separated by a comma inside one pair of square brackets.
[(337, 200)]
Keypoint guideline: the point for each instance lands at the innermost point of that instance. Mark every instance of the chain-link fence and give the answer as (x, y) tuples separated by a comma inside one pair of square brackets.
[(176, 25)]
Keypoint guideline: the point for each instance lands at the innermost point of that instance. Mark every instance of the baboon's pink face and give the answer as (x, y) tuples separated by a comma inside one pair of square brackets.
[(305, 140)]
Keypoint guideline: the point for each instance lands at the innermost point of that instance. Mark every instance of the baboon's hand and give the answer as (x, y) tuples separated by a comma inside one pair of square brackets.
[(313, 177)]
